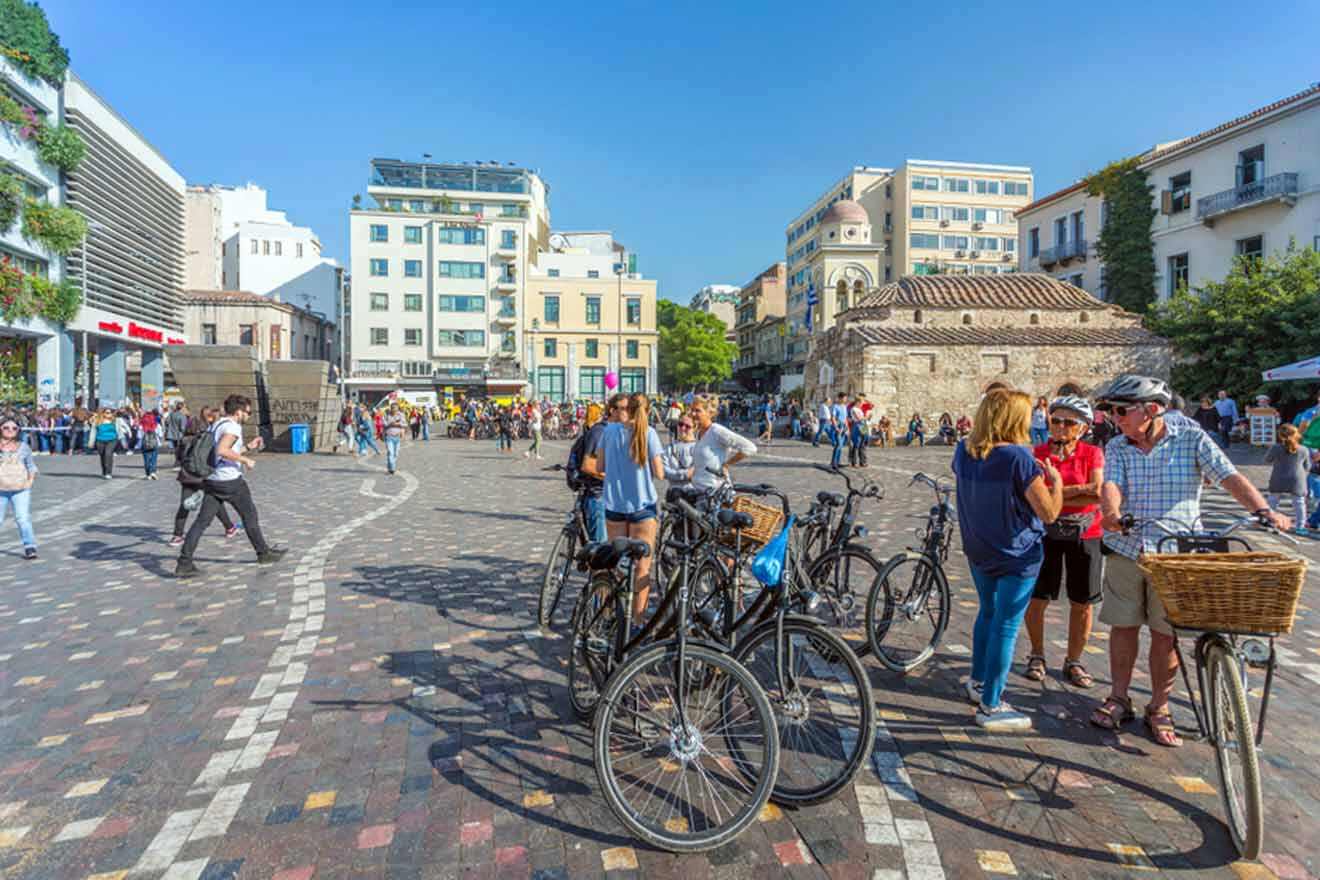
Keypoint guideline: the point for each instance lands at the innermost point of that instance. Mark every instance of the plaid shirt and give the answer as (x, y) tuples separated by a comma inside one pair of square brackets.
[(1166, 482)]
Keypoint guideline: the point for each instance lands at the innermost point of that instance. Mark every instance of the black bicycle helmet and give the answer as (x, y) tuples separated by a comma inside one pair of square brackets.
[(1133, 389)]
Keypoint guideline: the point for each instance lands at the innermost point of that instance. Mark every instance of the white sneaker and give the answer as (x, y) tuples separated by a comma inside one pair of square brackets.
[(108, 477), (1002, 719), (973, 690)]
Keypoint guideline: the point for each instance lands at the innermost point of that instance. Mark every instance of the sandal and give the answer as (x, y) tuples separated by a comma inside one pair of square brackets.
[(1162, 731), (1077, 675), (1035, 670), (1113, 713)]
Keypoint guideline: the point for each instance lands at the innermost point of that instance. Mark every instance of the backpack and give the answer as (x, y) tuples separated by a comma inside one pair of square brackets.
[(573, 467), (197, 463)]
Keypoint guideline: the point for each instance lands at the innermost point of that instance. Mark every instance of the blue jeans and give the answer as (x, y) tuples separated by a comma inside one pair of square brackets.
[(426, 429), (1004, 601), (796, 428), (391, 453), (837, 439), (593, 510), (1039, 436), (365, 439), (22, 504), (149, 457), (822, 431)]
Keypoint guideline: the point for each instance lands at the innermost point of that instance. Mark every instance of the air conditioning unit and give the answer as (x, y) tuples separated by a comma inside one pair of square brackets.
[(960, 253), (1007, 258), (944, 222), (978, 226), (974, 254)]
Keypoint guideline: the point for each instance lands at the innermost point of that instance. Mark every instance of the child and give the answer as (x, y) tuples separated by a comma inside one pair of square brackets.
[(1292, 463)]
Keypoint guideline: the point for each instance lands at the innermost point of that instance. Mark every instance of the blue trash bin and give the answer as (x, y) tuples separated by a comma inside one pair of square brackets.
[(298, 437)]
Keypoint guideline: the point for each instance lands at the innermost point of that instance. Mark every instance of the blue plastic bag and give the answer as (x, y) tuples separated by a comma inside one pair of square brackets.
[(768, 563)]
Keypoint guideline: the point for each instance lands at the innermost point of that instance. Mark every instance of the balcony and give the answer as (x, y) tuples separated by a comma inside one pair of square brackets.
[(506, 251), (1071, 250), (375, 369), (1049, 256), (1275, 188), (506, 282), (506, 315)]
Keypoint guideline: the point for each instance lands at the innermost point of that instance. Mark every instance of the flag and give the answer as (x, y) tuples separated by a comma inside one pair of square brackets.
[(811, 304)]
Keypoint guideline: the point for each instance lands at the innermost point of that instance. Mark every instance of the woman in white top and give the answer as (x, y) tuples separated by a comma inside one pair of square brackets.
[(716, 447), (536, 423)]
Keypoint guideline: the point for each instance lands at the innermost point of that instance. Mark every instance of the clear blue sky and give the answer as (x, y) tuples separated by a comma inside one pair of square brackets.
[(695, 132)]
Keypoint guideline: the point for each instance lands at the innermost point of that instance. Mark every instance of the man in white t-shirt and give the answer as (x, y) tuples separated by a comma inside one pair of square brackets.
[(226, 485)]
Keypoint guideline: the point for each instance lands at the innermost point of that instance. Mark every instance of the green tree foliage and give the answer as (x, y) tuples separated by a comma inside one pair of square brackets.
[(28, 41), (1125, 245), (1265, 314), (693, 351)]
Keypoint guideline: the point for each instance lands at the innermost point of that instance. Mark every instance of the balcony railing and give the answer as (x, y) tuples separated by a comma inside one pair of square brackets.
[(1281, 187), (375, 369), (1049, 256), (1072, 250)]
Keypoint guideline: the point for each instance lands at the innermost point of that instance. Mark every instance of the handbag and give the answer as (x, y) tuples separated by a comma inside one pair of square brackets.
[(768, 563), (150, 441), (13, 473), (1069, 527)]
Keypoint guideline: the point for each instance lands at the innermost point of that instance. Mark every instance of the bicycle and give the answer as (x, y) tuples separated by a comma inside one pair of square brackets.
[(559, 564), (685, 745), (1222, 652), (908, 607)]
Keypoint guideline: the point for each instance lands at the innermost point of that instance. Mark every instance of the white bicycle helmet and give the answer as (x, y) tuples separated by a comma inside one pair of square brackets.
[(1133, 389), (1076, 404)]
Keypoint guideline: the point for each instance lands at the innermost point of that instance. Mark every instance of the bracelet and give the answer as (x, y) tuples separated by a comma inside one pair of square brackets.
[(1261, 512)]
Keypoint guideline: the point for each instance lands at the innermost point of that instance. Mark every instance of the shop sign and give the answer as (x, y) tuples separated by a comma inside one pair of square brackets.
[(137, 331)]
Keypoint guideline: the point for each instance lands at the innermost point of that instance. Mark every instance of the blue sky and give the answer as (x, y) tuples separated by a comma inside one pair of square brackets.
[(694, 131)]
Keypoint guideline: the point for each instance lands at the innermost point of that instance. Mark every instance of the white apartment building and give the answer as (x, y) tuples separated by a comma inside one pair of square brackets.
[(439, 264), (720, 300), (1056, 236)]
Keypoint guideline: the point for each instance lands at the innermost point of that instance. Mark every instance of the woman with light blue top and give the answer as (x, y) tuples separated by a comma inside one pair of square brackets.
[(17, 474)]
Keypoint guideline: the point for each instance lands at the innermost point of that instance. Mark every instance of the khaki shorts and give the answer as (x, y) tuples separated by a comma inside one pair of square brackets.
[(1128, 599)]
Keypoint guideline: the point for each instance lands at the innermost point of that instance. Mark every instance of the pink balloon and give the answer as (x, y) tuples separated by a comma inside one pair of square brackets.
[(611, 381)]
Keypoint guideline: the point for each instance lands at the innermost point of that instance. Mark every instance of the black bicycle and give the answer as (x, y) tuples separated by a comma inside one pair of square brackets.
[(908, 607), (559, 564)]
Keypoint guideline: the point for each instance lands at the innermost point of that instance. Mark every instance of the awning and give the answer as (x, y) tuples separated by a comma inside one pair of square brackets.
[(1307, 369)]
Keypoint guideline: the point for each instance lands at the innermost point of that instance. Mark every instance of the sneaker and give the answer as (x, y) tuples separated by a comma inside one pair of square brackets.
[(1302, 531), (184, 569), (194, 501), (272, 555), (973, 690), (155, 477), (231, 531), (107, 476), (29, 552), (1002, 719), (176, 541)]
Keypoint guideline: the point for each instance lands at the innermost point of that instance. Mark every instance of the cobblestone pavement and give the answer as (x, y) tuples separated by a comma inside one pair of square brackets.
[(381, 705)]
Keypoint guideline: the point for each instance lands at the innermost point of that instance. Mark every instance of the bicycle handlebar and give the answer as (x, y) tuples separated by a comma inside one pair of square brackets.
[(939, 484), (869, 489), (1180, 529)]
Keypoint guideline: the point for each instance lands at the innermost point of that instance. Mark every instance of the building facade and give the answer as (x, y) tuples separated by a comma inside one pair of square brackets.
[(277, 330), (762, 297), (1056, 236), (720, 300), (585, 314), (439, 265)]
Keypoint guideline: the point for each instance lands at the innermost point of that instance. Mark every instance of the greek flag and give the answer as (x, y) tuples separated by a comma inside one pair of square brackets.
[(811, 303)]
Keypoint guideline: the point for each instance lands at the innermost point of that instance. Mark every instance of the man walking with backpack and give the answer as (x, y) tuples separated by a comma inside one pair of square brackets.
[(223, 483), (176, 425)]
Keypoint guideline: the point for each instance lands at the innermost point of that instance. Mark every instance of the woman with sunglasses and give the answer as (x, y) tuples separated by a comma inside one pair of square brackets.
[(17, 474), (1072, 542), (678, 454)]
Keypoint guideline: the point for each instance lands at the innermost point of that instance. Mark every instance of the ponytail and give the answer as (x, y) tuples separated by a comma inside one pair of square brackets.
[(638, 415)]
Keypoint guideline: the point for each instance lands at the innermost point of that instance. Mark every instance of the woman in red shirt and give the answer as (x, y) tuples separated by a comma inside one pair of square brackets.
[(1072, 543)]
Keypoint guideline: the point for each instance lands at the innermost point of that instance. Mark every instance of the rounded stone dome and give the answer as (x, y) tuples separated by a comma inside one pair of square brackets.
[(845, 211)]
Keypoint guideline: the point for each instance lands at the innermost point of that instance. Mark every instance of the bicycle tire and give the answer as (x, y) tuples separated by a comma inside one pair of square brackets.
[(642, 678), (884, 612), (557, 567), (595, 619), (843, 608), (1232, 733), (844, 683)]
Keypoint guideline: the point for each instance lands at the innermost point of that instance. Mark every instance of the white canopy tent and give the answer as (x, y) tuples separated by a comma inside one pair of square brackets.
[(1307, 369)]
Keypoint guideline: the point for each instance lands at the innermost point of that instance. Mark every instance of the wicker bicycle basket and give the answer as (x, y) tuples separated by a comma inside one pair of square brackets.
[(767, 520), (1254, 592)]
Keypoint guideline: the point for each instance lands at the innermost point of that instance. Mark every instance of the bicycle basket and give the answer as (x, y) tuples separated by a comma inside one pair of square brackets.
[(1253, 592), (767, 521)]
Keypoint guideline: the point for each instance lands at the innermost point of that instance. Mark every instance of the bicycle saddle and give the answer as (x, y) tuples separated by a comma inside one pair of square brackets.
[(734, 519), (690, 494), (606, 555), (833, 499)]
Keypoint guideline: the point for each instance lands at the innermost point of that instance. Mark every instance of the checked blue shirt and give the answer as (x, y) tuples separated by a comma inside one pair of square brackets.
[(1164, 483)]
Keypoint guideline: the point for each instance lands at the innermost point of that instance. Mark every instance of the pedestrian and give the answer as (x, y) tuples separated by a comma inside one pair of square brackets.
[(1072, 542), (859, 434), (1004, 497), (151, 440), (1291, 464), (1040, 422), (838, 428), (415, 423), (1228, 417), (717, 447), (190, 485), (767, 412), (344, 435), (106, 435), (672, 416), (590, 487), (80, 417), (395, 423), (917, 429), (176, 424), (18, 471), (536, 426), (823, 416), (365, 432), (678, 455), (226, 485), (504, 424), (425, 419)]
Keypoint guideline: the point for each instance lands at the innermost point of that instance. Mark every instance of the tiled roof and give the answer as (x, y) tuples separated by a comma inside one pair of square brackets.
[(1233, 123), (1008, 336), (1045, 200), (229, 296), (1019, 290)]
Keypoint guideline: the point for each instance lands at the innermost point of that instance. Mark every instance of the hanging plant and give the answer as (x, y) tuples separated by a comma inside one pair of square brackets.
[(60, 229), (11, 199), (11, 112), (60, 146), (30, 43), (57, 302), (16, 302)]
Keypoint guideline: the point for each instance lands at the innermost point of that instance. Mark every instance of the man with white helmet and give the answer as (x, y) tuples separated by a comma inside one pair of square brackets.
[(1153, 469)]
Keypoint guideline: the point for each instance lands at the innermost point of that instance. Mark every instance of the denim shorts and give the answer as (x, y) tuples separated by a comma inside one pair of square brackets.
[(647, 512)]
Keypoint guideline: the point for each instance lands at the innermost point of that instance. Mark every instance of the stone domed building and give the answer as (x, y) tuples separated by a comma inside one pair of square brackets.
[(932, 343)]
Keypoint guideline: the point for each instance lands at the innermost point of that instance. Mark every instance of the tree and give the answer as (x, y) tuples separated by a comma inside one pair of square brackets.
[(693, 350), (1266, 313), (1125, 246)]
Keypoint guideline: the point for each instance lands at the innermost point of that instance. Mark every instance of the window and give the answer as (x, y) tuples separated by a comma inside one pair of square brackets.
[(889, 190), (417, 206), (1085, 317), (208, 334), (1033, 242), (591, 381), (254, 246), (455, 269), (508, 239), (1014, 189), (1075, 280), (551, 347), (461, 235), (1251, 166), (1061, 231), (986, 243), (379, 232), (630, 349), (247, 334), (957, 184), (380, 302), (955, 242), (466, 338), (632, 380), (967, 317), (412, 235), (956, 214), (412, 336), (1078, 226), (593, 348), (279, 248), (552, 273), (925, 212), (1010, 245), (1179, 272), (593, 273), (1180, 193), (298, 250), (552, 309), (1252, 248), (265, 247), (380, 336), (988, 215), (412, 302), (926, 183), (448, 303), (916, 317), (509, 342), (1035, 318), (412, 268), (380, 268), (550, 382), (987, 187), (924, 240), (634, 311)]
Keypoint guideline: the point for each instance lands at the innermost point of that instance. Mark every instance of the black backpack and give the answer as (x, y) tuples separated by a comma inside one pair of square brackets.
[(198, 458), (573, 467)]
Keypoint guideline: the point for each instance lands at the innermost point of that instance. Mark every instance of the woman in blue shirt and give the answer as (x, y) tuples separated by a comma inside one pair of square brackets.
[(629, 459), (1004, 496)]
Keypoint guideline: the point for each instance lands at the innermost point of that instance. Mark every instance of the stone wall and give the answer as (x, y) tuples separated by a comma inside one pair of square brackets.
[(300, 392), (207, 374)]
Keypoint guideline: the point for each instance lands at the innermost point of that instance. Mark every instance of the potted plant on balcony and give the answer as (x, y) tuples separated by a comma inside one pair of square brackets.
[(11, 200), (59, 229)]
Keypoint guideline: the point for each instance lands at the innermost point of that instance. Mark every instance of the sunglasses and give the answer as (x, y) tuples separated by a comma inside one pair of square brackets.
[(1058, 423), (10, 427), (685, 424), (1122, 410)]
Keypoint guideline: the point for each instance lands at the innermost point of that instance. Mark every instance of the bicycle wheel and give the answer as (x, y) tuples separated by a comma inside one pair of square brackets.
[(595, 620), (1234, 739), (907, 611), (676, 783), (825, 713), (843, 577), (557, 569)]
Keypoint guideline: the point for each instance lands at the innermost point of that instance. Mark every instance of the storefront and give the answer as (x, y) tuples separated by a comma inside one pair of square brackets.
[(124, 359)]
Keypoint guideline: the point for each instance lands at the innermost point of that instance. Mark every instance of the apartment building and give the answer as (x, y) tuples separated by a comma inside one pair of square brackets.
[(588, 311), (764, 296), (1056, 237), (720, 300), (439, 264), (276, 330)]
